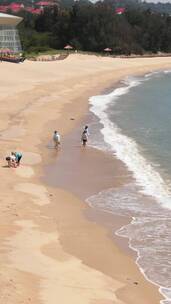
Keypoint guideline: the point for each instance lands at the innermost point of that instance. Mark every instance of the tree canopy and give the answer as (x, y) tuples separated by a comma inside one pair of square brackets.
[(92, 27)]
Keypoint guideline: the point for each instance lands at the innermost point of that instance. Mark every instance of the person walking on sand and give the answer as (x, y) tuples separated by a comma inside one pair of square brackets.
[(84, 138), (56, 139)]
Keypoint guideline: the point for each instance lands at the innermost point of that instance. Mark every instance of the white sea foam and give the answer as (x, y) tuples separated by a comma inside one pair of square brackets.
[(148, 232), (154, 270), (154, 230), (150, 221), (167, 71), (127, 150)]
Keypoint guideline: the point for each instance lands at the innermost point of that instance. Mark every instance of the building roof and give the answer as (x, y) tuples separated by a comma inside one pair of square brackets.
[(6, 19), (32, 10), (16, 7), (3, 8), (44, 3)]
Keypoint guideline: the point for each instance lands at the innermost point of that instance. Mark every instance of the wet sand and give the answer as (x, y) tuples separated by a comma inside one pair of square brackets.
[(84, 171)]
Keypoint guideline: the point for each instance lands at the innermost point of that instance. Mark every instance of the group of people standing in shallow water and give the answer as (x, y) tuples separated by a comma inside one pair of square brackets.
[(84, 137)]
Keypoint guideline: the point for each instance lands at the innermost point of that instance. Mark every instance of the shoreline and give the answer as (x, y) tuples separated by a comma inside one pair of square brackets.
[(36, 222), (130, 249), (96, 216), (110, 222)]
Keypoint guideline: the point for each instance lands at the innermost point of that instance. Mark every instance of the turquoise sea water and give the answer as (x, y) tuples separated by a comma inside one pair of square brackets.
[(144, 114), (136, 127)]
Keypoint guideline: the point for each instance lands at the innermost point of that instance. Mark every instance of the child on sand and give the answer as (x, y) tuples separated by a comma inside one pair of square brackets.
[(56, 139), (11, 160), (86, 130), (84, 138)]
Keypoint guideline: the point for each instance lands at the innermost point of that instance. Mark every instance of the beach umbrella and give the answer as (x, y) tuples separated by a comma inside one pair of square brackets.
[(120, 10), (107, 50), (68, 47), (44, 3)]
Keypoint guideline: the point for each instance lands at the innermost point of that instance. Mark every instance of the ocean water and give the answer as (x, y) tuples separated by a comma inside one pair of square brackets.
[(135, 126)]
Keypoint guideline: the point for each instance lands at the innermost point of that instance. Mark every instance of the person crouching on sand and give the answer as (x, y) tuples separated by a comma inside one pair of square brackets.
[(56, 139), (11, 160), (18, 157), (86, 130), (84, 138)]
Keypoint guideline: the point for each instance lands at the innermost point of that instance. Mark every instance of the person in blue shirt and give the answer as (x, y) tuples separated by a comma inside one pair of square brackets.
[(18, 156)]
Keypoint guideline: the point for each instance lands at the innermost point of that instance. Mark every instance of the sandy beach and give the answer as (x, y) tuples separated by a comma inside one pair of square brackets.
[(50, 250)]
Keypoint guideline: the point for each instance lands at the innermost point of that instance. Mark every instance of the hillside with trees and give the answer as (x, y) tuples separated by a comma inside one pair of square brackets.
[(92, 27)]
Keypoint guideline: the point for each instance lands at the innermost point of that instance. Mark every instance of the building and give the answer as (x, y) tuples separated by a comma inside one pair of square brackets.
[(9, 37), (36, 8)]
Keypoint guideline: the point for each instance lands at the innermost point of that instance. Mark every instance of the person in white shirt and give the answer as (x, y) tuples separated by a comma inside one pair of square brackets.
[(56, 139), (11, 159)]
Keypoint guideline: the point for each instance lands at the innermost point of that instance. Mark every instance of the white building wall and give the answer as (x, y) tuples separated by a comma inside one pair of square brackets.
[(9, 37)]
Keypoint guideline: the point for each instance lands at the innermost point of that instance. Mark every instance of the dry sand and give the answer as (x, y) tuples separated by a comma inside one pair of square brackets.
[(50, 253)]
